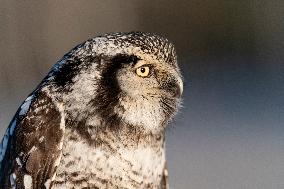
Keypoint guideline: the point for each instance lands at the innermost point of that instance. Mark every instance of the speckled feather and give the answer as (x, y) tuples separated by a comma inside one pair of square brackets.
[(92, 122)]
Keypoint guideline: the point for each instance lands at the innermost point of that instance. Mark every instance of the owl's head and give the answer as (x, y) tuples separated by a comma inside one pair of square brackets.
[(121, 78)]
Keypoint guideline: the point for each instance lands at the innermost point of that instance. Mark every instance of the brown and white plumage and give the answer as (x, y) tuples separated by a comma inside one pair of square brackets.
[(97, 120)]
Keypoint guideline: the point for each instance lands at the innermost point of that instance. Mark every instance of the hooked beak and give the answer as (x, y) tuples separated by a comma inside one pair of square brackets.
[(179, 89), (173, 84)]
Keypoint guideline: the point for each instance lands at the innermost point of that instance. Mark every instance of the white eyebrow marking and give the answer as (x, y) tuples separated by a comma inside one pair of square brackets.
[(141, 63)]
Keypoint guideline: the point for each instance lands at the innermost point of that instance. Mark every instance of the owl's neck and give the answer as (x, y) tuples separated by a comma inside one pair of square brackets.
[(95, 132)]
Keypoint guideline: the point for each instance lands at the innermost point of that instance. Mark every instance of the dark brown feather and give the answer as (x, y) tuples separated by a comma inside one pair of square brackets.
[(35, 142)]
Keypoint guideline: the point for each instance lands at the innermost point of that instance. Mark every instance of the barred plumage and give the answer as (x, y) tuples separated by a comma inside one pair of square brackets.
[(94, 122)]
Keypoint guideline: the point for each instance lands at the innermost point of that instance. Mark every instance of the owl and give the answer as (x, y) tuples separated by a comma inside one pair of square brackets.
[(98, 119)]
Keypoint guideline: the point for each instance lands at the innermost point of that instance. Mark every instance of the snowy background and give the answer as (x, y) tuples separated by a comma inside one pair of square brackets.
[(230, 132)]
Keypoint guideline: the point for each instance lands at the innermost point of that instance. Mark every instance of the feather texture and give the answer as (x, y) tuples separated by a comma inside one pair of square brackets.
[(93, 122)]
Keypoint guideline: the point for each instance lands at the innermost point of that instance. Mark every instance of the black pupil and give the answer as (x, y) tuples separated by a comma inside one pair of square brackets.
[(143, 70)]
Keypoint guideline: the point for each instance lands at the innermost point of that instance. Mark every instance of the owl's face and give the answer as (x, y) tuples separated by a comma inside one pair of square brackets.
[(123, 78), (149, 91)]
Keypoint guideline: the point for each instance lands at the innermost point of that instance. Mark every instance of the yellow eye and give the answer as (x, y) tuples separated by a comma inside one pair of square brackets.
[(143, 71)]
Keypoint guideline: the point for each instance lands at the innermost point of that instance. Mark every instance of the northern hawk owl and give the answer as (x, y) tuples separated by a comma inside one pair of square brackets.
[(98, 119)]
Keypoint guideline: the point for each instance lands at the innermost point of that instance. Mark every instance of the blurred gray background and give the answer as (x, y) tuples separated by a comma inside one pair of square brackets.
[(230, 132)]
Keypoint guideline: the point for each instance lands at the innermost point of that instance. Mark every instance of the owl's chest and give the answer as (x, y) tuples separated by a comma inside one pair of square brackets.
[(109, 165)]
